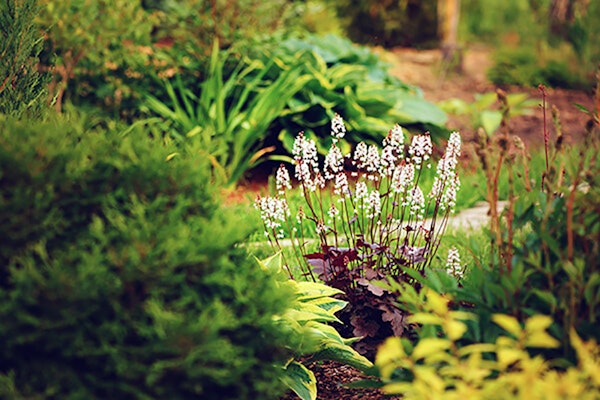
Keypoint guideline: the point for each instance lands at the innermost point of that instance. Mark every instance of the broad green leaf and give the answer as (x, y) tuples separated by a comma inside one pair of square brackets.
[(546, 297), (309, 312), (301, 380), (490, 120), (329, 304), (416, 109), (313, 290), (344, 354), (341, 75)]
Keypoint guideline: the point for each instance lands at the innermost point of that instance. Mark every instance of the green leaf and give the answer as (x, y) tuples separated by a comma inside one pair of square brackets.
[(314, 290), (329, 304), (309, 312), (546, 297), (301, 380), (411, 109), (343, 354), (490, 120)]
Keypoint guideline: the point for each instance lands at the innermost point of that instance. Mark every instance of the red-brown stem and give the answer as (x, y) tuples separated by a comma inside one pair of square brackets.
[(570, 204), (542, 89)]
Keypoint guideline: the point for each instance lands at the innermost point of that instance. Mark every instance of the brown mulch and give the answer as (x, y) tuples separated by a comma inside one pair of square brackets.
[(331, 378)]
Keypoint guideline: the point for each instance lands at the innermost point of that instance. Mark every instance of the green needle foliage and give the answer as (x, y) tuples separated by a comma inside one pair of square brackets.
[(22, 88), (120, 277)]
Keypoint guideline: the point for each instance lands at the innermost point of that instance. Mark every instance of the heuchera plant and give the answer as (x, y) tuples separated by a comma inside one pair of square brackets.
[(368, 211)]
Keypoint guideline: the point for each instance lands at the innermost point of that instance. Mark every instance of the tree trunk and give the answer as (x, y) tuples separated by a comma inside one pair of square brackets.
[(561, 16), (448, 15)]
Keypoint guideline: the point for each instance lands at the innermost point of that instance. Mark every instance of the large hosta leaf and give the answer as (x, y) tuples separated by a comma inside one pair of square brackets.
[(301, 380)]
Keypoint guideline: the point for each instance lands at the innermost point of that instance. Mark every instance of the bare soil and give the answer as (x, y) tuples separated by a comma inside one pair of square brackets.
[(426, 70)]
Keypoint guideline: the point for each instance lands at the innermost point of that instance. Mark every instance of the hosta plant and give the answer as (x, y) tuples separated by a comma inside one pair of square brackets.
[(368, 213), (308, 316)]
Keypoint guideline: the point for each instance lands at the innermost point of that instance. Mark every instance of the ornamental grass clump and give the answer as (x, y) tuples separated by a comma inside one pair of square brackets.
[(368, 211)]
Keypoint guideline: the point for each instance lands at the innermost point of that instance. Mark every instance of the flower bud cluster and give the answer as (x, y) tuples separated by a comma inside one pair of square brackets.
[(453, 264), (420, 149), (282, 180), (447, 182), (380, 198), (274, 212), (306, 160)]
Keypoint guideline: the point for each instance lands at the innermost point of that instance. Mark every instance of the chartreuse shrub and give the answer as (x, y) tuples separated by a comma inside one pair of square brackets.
[(120, 278), (439, 366)]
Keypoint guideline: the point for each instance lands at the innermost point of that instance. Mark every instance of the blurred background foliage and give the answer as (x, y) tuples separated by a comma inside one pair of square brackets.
[(110, 56)]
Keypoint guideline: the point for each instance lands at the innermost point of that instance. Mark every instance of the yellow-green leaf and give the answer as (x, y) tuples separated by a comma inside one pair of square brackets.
[(507, 356), (508, 323), (389, 356), (541, 339), (429, 346), (437, 302), (301, 380), (425, 319), (455, 329), (537, 323)]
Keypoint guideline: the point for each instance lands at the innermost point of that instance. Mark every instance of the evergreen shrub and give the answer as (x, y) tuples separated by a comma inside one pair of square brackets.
[(120, 278)]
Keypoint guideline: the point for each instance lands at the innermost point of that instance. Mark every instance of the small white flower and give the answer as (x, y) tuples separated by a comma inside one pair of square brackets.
[(360, 155), (373, 163), (403, 178), (282, 179), (388, 161), (334, 163), (333, 212), (446, 182), (395, 139), (420, 149), (306, 160), (338, 129), (373, 205), (273, 212), (319, 182), (453, 264), (340, 187), (361, 190), (416, 203)]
